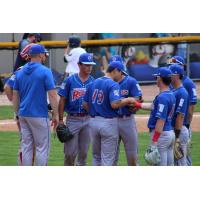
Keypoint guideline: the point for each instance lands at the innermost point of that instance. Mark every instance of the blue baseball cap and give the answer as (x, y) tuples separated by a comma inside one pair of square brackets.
[(163, 72), (176, 69), (87, 59), (118, 65), (116, 58), (37, 49), (177, 59)]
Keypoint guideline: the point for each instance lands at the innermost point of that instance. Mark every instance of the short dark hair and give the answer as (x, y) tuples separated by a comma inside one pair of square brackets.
[(166, 80), (110, 69)]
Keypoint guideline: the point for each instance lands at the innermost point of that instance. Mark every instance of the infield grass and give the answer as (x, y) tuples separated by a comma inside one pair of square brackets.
[(9, 142), (6, 112)]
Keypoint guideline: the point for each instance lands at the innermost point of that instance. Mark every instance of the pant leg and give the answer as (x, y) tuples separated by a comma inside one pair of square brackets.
[(128, 133), (189, 156), (71, 147), (118, 152), (83, 142), (109, 141), (184, 136), (164, 146), (170, 152), (27, 143), (95, 141), (40, 128)]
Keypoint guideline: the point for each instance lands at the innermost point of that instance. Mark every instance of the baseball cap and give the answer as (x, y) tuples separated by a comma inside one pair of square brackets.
[(118, 65), (87, 59), (163, 72), (177, 59), (176, 69), (37, 49), (116, 58)]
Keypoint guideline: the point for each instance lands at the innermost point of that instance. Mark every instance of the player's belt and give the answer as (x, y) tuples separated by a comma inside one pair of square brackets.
[(124, 116), (78, 114)]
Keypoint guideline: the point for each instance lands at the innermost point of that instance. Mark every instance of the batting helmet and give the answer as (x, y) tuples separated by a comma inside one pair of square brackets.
[(74, 41), (152, 156), (63, 133)]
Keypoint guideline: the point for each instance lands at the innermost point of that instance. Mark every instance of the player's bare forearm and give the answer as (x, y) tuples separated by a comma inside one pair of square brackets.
[(122, 102), (9, 92), (61, 106), (179, 121), (146, 106), (53, 101), (15, 101), (190, 113), (159, 125)]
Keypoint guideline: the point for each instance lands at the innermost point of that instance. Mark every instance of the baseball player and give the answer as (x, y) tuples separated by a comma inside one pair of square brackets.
[(32, 83), (31, 38), (159, 124), (103, 100), (71, 95), (72, 54), (129, 87), (189, 85), (179, 120)]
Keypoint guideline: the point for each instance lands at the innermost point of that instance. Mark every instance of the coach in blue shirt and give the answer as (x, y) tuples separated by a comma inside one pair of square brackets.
[(32, 83)]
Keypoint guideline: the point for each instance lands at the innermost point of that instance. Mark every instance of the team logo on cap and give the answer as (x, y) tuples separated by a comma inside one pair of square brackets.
[(90, 58), (78, 93), (114, 58)]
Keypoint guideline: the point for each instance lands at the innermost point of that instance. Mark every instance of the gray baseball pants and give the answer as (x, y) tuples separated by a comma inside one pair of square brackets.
[(78, 146), (166, 147), (104, 138), (184, 137), (129, 136), (35, 131)]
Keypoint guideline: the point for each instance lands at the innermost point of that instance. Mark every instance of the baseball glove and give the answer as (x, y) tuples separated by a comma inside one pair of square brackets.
[(178, 152), (63, 133), (152, 156)]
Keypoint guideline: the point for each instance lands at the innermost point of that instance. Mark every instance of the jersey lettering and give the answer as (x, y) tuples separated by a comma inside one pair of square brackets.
[(124, 92), (181, 102), (161, 107), (100, 97), (194, 91), (77, 93), (97, 96)]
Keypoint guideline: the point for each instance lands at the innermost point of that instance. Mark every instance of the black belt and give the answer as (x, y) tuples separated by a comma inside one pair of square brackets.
[(78, 114), (103, 117), (122, 116)]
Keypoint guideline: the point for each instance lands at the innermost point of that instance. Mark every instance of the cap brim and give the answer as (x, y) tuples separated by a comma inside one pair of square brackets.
[(155, 75), (124, 73), (88, 63)]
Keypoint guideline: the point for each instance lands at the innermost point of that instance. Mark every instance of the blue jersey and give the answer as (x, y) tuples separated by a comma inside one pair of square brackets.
[(11, 80), (163, 108), (32, 83), (189, 85), (100, 95), (182, 104), (74, 90), (129, 87)]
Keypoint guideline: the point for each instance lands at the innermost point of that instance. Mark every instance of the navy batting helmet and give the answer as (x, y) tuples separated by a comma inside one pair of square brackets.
[(74, 41)]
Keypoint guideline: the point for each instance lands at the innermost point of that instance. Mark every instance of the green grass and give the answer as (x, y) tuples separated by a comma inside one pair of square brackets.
[(197, 107), (6, 112), (9, 143)]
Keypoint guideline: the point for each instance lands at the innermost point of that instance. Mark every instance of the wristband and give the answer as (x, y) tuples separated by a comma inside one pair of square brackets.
[(17, 117), (156, 136), (177, 132), (138, 105)]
